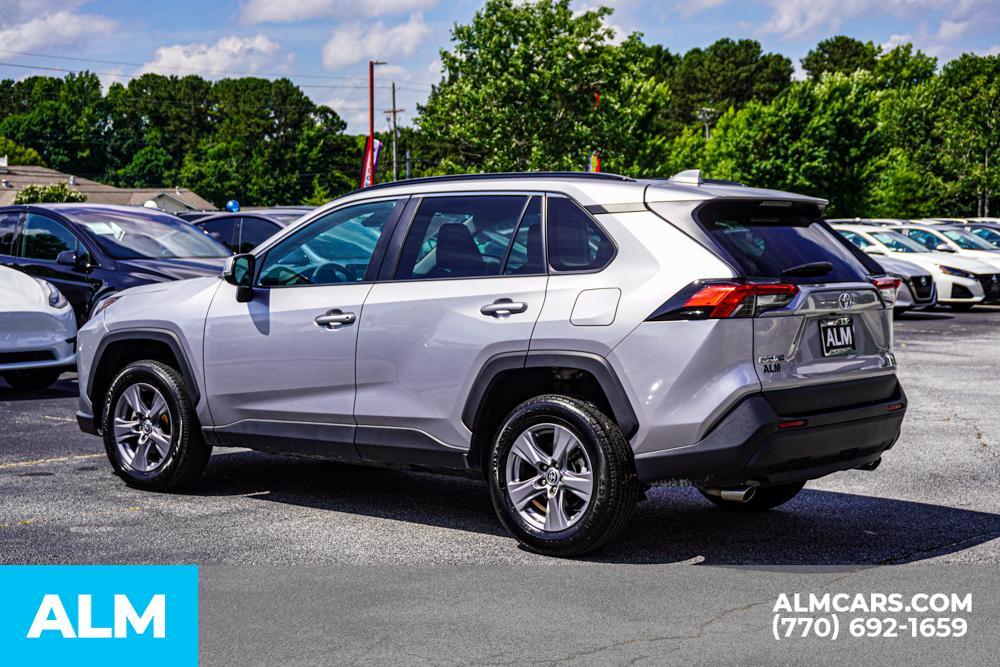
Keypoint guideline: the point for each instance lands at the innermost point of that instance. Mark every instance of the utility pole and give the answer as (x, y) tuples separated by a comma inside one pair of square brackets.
[(407, 164), (706, 115), (395, 132), (370, 166)]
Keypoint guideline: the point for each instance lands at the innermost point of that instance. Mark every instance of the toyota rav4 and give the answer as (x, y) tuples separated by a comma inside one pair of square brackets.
[(571, 338)]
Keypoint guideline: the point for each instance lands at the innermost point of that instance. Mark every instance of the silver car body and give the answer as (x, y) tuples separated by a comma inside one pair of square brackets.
[(33, 333), (399, 377)]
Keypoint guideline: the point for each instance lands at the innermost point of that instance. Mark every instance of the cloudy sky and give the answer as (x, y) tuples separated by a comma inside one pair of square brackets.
[(324, 45)]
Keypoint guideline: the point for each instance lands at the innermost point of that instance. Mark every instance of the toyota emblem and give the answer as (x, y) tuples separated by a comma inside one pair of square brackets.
[(846, 301)]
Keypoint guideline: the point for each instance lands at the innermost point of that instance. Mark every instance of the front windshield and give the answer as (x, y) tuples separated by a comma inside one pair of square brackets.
[(896, 242), (989, 235), (145, 234), (967, 241)]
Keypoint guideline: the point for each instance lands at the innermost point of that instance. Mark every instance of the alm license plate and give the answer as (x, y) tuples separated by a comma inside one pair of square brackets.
[(837, 336)]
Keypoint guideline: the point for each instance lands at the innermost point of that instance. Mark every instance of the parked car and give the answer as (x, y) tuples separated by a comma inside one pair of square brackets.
[(37, 331), (916, 285), (960, 282), (986, 230), (953, 239), (245, 230), (569, 337), (92, 251), (876, 222), (191, 216)]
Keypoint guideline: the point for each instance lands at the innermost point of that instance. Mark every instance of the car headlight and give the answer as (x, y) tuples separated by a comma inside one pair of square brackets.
[(951, 271), (54, 296)]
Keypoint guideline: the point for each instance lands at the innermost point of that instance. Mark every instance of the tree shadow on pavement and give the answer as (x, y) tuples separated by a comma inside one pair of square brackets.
[(819, 528)]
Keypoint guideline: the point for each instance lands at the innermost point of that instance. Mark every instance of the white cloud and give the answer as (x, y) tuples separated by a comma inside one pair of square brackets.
[(801, 18), (237, 54), (688, 8), (353, 43), (60, 28), (288, 11)]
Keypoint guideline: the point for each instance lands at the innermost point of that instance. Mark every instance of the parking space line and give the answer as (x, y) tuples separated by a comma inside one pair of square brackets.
[(56, 459)]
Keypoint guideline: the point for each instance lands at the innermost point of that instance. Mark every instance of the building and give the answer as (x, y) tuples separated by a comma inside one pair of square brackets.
[(175, 200)]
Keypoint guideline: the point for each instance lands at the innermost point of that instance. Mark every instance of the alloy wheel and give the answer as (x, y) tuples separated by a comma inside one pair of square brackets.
[(550, 480), (143, 427)]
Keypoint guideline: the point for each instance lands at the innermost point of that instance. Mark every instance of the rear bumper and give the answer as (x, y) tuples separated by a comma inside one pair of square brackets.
[(748, 446)]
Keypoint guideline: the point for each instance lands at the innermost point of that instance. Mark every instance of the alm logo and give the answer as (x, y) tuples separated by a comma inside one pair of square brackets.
[(52, 617), (99, 614)]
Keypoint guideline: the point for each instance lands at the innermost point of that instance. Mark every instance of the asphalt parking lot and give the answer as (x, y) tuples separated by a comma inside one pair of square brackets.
[(935, 497)]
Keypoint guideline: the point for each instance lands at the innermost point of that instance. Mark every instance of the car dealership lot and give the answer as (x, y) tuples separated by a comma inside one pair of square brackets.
[(934, 497)]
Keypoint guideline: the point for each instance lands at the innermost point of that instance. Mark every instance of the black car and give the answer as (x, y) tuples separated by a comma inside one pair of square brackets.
[(243, 231), (90, 251)]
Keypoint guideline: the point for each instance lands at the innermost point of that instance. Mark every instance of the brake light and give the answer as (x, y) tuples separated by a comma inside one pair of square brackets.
[(722, 300), (887, 286)]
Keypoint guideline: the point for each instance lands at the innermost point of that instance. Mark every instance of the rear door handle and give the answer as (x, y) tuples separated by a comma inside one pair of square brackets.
[(335, 318), (503, 307)]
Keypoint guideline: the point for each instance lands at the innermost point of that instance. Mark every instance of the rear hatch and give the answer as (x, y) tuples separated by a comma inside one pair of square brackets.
[(834, 324)]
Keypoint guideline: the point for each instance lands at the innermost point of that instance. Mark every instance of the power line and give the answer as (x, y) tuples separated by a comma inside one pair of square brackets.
[(197, 69), (130, 77)]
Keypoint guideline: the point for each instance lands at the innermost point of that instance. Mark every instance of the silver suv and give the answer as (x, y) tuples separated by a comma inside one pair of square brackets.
[(572, 338)]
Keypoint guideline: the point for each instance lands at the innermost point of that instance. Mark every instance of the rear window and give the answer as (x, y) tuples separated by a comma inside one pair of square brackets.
[(767, 239)]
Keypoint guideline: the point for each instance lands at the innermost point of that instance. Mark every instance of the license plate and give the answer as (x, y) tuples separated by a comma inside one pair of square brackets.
[(837, 336)]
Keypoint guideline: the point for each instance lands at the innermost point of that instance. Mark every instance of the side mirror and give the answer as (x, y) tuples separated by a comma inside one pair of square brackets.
[(874, 250), (239, 271), (944, 247), (72, 258)]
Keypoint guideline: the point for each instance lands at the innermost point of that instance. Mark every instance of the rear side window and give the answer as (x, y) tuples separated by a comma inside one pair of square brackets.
[(766, 241), (221, 230), (461, 237), (576, 243), (8, 227), (253, 232)]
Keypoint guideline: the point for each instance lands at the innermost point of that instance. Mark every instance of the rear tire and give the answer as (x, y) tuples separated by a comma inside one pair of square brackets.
[(570, 486), (764, 498), (151, 433), (34, 380)]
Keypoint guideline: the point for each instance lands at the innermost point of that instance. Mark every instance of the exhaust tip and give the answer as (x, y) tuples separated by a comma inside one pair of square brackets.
[(740, 494)]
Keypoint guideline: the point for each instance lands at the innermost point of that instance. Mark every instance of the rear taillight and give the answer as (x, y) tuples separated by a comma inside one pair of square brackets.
[(887, 286), (724, 300)]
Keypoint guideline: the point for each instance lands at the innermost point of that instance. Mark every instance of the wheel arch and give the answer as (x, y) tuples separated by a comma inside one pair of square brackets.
[(118, 349), (508, 379)]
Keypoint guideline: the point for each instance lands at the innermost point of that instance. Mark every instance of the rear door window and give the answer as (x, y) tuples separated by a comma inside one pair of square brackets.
[(222, 230), (461, 236), (253, 232), (768, 239)]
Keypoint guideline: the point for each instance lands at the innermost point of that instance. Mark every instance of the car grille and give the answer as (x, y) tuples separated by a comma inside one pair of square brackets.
[(22, 357), (921, 286), (991, 285)]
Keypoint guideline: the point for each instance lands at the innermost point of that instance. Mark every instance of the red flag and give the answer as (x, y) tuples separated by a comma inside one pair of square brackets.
[(368, 177)]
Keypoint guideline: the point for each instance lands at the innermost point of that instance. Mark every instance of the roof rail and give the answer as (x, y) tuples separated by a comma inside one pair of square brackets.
[(504, 174)]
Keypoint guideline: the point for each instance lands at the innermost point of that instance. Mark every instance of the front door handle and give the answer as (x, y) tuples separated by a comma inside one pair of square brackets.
[(335, 318), (503, 307)]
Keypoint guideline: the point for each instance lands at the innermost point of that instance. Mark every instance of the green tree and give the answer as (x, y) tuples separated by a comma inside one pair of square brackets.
[(17, 154), (840, 54), (726, 74), (903, 67), (55, 192), (520, 92), (818, 138)]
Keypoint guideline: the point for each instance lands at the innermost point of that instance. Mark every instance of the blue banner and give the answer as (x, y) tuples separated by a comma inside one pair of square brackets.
[(99, 614)]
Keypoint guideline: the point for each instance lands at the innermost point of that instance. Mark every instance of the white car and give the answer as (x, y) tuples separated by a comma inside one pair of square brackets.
[(37, 331), (946, 238), (961, 282)]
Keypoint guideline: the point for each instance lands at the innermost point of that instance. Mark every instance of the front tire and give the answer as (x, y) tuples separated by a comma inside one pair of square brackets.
[(151, 433), (34, 380), (764, 498), (562, 476)]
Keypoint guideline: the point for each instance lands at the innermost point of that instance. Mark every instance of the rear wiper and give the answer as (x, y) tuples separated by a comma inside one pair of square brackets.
[(808, 270)]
